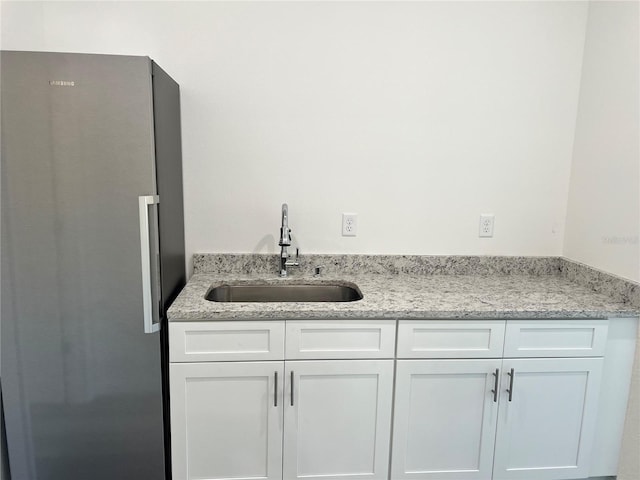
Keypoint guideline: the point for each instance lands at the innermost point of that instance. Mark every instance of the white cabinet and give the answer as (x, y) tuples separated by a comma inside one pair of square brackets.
[(548, 411), (507, 419), (312, 419), (548, 405), (226, 420), (473, 400), (445, 419), (338, 419)]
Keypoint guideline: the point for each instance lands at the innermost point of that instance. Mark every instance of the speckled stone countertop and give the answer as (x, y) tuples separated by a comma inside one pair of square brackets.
[(409, 296)]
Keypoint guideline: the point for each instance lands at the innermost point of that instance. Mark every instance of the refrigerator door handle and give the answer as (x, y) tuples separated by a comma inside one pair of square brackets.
[(145, 247)]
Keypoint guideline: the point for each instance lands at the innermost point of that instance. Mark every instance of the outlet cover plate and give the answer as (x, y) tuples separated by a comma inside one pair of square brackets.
[(349, 224), (486, 225)]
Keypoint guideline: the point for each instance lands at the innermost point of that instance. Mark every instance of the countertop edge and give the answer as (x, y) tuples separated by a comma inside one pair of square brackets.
[(411, 296), (416, 315)]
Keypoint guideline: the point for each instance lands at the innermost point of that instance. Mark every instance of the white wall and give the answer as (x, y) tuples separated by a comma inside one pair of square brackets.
[(418, 116), (603, 217)]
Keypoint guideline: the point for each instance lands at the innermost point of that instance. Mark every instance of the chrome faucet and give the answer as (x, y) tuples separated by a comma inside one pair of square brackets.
[(285, 242)]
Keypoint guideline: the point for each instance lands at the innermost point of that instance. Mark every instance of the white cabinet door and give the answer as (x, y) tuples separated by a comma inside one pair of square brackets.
[(226, 420), (545, 431), (337, 419), (445, 419)]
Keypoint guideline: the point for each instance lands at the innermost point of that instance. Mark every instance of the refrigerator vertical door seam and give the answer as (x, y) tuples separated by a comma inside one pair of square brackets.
[(150, 326)]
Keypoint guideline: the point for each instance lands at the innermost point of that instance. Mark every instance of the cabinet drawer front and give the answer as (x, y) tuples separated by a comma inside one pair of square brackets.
[(450, 339), (309, 339), (226, 341), (555, 338)]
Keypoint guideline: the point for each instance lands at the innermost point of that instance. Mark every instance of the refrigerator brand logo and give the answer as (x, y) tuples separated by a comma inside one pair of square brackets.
[(62, 83)]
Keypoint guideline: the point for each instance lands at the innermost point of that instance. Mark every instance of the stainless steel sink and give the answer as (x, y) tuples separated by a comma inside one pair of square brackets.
[(284, 293)]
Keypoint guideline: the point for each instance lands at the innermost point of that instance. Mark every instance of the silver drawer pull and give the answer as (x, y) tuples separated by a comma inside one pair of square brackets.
[(510, 389), (275, 388), (495, 387), (291, 387)]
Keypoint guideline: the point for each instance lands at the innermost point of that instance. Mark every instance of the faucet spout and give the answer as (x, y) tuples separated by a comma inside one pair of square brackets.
[(285, 232), (285, 242)]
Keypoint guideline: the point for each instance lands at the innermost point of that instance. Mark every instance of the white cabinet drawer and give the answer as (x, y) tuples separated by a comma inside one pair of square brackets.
[(226, 341), (555, 338), (340, 339), (450, 338)]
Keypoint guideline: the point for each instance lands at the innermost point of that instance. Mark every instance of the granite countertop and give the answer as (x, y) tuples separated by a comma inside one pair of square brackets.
[(409, 296)]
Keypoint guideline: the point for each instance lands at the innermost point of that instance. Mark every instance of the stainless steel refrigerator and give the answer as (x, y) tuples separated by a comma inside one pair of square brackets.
[(92, 247)]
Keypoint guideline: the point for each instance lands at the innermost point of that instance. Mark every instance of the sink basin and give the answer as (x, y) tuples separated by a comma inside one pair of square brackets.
[(284, 293)]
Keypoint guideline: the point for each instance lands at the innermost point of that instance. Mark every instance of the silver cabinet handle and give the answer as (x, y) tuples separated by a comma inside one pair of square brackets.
[(291, 387), (275, 388), (510, 389), (495, 386), (145, 249)]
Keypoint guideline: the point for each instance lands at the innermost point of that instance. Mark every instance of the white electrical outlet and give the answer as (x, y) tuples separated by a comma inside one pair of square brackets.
[(349, 224), (486, 225)]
